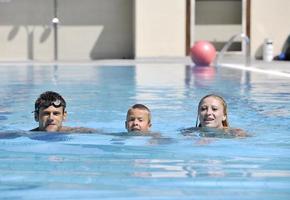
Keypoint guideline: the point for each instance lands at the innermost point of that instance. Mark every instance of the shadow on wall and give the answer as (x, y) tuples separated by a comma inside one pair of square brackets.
[(107, 48), (30, 37), (78, 20), (97, 29), (259, 52), (99, 48), (19, 20)]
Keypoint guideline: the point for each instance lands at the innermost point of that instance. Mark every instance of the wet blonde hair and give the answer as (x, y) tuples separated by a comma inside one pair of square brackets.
[(225, 122)]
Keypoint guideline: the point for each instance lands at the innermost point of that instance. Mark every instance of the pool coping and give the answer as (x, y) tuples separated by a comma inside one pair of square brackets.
[(282, 68)]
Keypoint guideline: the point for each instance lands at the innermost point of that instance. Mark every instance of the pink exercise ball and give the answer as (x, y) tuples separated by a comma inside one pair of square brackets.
[(203, 53)]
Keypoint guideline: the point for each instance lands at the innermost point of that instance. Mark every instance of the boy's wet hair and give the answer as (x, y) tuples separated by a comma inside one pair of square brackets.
[(141, 107), (49, 98)]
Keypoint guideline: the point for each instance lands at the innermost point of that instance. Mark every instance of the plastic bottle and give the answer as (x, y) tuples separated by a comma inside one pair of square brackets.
[(268, 50)]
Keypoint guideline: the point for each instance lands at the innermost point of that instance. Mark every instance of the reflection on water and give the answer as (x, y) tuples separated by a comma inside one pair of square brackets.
[(201, 75), (55, 74), (155, 168), (151, 138)]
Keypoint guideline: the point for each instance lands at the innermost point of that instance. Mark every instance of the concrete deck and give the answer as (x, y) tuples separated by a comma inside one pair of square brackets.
[(234, 61)]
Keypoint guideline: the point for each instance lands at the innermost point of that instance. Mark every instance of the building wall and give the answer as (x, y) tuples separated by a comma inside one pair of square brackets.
[(269, 19), (100, 29), (217, 21), (96, 29), (160, 28), (92, 29), (88, 29), (25, 31)]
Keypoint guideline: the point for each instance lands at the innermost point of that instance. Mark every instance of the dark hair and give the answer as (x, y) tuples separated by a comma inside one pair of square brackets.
[(141, 107), (225, 109), (49, 98)]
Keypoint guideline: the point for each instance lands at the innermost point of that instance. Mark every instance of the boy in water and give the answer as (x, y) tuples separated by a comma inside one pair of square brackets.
[(50, 113), (138, 119)]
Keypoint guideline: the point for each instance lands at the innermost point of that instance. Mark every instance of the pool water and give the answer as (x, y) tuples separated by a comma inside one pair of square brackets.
[(115, 165)]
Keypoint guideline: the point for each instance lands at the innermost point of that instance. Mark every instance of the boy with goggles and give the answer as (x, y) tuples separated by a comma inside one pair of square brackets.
[(50, 113)]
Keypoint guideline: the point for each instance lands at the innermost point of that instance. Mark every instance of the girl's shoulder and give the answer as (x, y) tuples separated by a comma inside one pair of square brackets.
[(236, 132)]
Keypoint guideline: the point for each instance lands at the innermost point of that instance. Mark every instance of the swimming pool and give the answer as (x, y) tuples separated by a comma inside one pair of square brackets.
[(114, 165)]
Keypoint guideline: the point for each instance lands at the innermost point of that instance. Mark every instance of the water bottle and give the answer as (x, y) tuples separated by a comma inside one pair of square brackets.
[(268, 50)]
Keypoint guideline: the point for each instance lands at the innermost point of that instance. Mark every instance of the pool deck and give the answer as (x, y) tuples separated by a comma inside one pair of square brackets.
[(280, 68)]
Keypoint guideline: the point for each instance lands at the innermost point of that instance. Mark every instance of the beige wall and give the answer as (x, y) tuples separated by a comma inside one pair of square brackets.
[(159, 28), (269, 19), (92, 29), (100, 29), (25, 29), (96, 29), (88, 30), (218, 20)]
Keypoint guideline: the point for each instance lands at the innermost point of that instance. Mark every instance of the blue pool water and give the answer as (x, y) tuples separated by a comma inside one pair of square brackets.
[(114, 165)]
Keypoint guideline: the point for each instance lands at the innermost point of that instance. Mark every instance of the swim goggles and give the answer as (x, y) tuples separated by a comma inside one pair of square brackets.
[(45, 104)]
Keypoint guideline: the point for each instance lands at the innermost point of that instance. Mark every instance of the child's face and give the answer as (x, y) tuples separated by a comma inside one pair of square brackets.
[(138, 120)]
